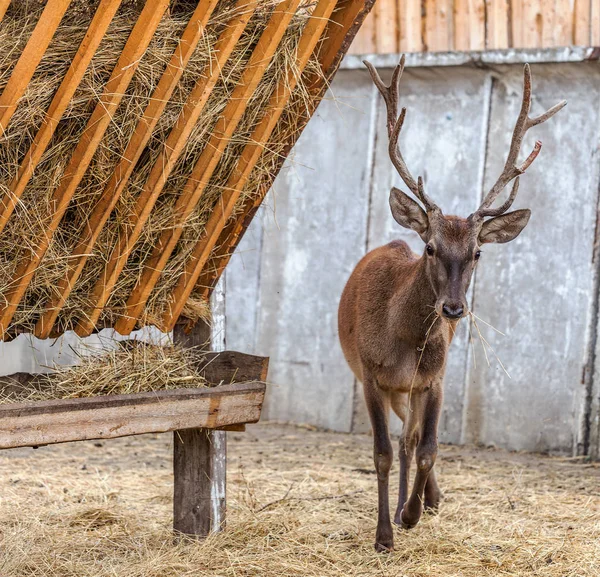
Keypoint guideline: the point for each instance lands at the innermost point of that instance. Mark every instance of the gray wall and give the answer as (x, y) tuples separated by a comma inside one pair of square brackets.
[(329, 206)]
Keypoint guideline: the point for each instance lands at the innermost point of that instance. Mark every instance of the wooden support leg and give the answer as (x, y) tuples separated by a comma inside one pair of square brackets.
[(199, 466)]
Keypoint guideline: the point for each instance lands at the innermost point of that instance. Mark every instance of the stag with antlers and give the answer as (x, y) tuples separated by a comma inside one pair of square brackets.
[(398, 311)]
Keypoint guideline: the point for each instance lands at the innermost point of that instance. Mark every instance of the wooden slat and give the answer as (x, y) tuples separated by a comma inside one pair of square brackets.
[(430, 26), (411, 39), (532, 18), (498, 24), (228, 367), (386, 26), (3, 7), (163, 166), (582, 20), (517, 24), (61, 421), (208, 161), (337, 37), (548, 13), (462, 38), (96, 126), (365, 43), (564, 23), (102, 18), (30, 58), (595, 23), (477, 24), (235, 184), (443, 22), (115, 186)]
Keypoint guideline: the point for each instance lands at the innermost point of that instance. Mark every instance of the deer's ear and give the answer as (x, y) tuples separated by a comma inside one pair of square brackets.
[(408, 213), (504, 228)]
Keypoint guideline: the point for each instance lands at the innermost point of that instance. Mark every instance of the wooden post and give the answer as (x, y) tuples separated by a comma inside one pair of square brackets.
[(199, 463)]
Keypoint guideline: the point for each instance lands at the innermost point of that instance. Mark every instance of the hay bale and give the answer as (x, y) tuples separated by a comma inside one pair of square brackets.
[(31, 215), (117, 368)]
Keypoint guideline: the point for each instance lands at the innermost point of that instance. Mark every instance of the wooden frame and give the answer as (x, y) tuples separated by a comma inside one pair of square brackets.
[(328, 32)]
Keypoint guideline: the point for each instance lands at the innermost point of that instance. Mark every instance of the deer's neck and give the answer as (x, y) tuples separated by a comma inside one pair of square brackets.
[(416, 307)]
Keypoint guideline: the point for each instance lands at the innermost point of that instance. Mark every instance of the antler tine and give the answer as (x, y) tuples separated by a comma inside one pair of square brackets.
[(511, 169), (394, 126)]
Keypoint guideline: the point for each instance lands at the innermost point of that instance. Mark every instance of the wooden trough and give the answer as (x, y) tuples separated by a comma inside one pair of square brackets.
[(199, 417)]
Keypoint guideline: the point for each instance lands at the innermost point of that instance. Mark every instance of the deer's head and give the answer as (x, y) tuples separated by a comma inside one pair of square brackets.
[(452, 243)]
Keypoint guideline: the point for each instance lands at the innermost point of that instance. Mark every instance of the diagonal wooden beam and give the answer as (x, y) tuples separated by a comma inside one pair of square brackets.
[(345, 22), (248, 158), (124, 169), (210, 157), (102, 18), (163, 166), (32, 54), (204, 167), (96, 126), (3, 6)]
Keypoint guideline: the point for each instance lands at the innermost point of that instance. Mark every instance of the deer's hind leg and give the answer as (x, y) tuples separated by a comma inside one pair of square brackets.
[(378, 405)]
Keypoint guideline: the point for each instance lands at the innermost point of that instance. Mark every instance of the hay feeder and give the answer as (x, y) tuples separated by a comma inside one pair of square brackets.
[(137, 140)]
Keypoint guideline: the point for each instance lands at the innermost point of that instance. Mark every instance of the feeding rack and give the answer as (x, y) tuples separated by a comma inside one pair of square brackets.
[(125, 192)]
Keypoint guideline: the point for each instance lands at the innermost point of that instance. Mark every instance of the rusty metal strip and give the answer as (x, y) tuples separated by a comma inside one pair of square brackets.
[(30, 58), (250, 155), (102, 18), (163, 166), (345, 23), (96, 126), (124, 169), (208, 161)]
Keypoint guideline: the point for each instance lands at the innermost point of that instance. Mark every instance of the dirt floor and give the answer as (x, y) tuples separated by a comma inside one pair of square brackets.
[(301, 503)]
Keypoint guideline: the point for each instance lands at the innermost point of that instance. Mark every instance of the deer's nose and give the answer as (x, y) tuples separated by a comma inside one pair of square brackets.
[(452, 311)]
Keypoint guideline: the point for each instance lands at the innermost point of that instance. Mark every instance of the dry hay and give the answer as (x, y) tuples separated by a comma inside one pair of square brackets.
[(123, 368), (31, 215), (301, 504)]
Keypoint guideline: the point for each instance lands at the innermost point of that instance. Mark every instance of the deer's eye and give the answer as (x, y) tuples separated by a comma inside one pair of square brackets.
[(429, 250), (477, 254)]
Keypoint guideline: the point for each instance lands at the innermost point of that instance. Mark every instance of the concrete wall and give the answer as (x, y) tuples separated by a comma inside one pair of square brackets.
[(329, 206)]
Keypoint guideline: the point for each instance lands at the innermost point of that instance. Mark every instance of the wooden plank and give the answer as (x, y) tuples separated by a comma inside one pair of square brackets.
[(338, 36), (386, 26), (582, 22), (564, 23), (411, 38), (200, 472), (365, 42), (533, 22), (96, 126), (228, 367), (30, 58), (595, 23), (102, 18), (477, 24), (430, 26), (3, 7), (462, 38), (115, 186), (163, 166), (208, 161), (248, 158), (497, 33), (548, 17), (61, 421)]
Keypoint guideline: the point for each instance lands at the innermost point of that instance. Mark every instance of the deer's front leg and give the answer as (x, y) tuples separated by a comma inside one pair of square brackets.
[(427, 407), (378, 406)]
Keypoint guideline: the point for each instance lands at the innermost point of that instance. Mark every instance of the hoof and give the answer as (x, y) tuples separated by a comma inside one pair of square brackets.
[(406, 523), (386, 547)]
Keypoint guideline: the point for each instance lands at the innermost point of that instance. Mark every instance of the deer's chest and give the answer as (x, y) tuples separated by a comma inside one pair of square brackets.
[(412, 366)]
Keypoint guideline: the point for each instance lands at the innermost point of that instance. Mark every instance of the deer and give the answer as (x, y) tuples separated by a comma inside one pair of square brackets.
[(399, 311)]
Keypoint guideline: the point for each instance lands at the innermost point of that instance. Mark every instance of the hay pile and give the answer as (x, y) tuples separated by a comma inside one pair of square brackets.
[(300, 504), (31, 215), (127, 367)]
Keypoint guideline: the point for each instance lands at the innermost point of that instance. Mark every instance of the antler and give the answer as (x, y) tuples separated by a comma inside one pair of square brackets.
[(511, 169), (394, 126)]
